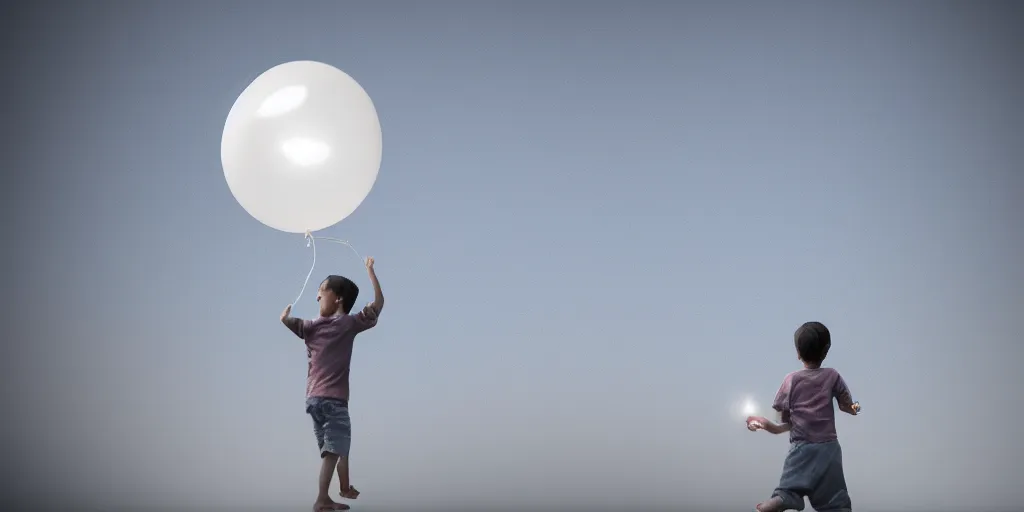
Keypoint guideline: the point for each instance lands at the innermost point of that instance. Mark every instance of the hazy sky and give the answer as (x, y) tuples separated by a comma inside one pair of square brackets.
[(597, 226)]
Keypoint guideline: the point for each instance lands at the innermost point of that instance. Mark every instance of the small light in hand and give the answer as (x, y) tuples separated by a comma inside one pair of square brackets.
[(749, 408)]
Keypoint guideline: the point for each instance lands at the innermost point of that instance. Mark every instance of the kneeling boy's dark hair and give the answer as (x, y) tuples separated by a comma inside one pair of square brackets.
[(345, 289), (812, 341)]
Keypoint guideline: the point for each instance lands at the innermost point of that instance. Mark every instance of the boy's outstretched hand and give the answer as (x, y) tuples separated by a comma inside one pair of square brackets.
[(286, 313), (369, 263), (755, 423)]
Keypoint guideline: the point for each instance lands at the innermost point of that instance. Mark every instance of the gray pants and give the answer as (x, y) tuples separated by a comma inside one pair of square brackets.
[(331, 425), (814, 470)]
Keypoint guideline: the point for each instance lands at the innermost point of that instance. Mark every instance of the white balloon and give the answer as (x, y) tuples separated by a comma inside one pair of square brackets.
[(301, 147)]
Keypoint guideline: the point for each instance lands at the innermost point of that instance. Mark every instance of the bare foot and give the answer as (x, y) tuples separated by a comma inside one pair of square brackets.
[(350, 493), (329, 505), (772, 505)]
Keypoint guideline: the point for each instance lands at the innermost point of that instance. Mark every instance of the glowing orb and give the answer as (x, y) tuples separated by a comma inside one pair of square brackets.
[(749, 408)]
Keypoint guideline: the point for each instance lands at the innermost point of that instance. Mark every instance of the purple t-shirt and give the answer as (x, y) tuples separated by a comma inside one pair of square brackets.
[(329, 341), (806, 399)]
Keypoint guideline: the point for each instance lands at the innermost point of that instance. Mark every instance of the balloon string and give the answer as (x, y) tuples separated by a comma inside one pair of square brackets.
[(311, 242)]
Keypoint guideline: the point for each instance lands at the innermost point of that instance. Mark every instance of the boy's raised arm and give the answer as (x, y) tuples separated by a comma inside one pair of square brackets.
[(378, 295), (296, 325), (367, 318)]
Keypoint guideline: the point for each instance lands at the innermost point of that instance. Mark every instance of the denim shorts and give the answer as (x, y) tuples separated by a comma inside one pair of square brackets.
[(331, 425)]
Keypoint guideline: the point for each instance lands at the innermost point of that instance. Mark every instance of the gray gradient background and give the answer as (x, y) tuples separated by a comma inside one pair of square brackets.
[(597, 226)]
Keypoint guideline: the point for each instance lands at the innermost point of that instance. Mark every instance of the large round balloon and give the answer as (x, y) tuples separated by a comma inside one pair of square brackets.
[(301, 147)]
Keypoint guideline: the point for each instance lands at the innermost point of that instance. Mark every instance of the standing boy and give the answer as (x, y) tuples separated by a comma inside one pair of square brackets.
[(329, 341)]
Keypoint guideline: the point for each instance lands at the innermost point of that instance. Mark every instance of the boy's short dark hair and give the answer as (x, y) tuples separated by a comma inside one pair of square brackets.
[(812, 341), (345, 289)]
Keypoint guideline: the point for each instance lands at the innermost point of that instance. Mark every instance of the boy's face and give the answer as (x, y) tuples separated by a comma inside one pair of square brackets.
[(329, 301)]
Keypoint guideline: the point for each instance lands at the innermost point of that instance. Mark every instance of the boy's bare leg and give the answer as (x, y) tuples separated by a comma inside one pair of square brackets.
[(347, 491), (323, 499)]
